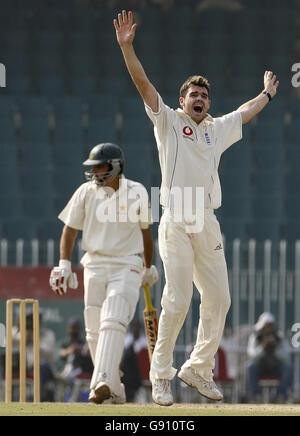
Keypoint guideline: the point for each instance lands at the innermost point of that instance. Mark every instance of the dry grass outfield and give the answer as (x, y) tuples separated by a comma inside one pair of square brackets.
[(192, 410)]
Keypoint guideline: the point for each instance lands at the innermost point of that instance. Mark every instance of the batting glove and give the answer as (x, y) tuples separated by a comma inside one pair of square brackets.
[(150, 276), (61, 277)]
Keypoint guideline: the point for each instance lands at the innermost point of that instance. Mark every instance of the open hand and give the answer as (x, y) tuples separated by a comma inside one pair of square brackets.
[(125, 30), (270, 82)]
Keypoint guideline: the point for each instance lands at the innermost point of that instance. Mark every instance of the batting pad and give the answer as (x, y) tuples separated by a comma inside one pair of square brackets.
[(115, 317), (92, 326)]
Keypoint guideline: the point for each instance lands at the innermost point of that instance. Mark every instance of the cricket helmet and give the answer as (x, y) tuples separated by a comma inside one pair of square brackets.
[(106, 153)]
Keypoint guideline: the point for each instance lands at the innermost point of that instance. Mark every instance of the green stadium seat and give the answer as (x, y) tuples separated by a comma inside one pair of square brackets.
[(38, 206), (292, 130), (16, 64), (37, 180), (82, 64), (292, 230), (14, 40), (67, 153), (266, 131), (9, 156), (235, 206), (68, 119), (67, 108), (18, 85), (10, 180), (8, 131), (292, 182), (238, 156), (19, 228), (234, 182), (83, 86), (211, 21), (67, 180), (36, 154), (232, 228), (263, 229), (100, 130), (268, 207), (268, 182), (34, 115), (79, 20), (80, 41), (269, 156), (136, 129), (141, 172), (11, 205), (50, 229), (68, 130), (35, 129), (47, 62), (293, 206), (51, 85), (49, 39), (54, 20)]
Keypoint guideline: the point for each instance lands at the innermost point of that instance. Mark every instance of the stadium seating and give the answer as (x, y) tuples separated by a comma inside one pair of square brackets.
[(68, 89)]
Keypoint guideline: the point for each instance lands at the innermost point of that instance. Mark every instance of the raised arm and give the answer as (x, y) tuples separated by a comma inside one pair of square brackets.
[(125, 31), (250, 109)]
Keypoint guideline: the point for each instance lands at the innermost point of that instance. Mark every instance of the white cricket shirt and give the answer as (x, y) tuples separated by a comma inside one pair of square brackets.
[(189, 153), (111, 225)]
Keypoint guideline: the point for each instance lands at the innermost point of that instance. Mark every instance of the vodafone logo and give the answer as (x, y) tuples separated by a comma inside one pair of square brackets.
[(187, 131)]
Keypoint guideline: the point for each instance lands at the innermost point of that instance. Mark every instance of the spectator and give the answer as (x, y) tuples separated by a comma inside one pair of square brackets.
[(74, 354), (269, 355), (135, 364)]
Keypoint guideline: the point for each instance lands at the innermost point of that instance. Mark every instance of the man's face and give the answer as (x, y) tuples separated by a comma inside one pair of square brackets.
[(195, 103), (269, 328), (99, 171)]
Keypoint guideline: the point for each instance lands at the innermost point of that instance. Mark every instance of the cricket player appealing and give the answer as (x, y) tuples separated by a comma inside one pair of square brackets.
[(114, 216), (190, 143)]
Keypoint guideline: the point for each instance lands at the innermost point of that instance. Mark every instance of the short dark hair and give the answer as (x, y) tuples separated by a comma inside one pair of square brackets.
[(194, 80)]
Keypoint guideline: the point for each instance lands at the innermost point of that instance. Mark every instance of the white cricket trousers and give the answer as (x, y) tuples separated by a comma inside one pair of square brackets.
[(111, 293), (188, 258)]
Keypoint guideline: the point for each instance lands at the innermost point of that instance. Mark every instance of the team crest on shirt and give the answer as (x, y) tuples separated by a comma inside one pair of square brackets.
[(188, 132)]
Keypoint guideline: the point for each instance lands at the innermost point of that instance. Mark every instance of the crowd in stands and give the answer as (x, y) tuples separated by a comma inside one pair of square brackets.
[(66, 366)]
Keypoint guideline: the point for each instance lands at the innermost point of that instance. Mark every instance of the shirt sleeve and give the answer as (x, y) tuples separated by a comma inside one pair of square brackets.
[(159, 119), (146, 217), (229, 130), (145, 214), (73, 214)]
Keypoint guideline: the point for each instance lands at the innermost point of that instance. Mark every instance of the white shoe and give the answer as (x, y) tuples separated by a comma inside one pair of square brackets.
[(205, 388), (100, 393), (117, 399), (161, 392)]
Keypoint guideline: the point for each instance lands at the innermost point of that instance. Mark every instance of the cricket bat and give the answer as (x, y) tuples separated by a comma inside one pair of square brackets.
[(151, 321)]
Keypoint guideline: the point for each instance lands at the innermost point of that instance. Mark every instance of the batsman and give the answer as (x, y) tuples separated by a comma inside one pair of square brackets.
[(114, 216)]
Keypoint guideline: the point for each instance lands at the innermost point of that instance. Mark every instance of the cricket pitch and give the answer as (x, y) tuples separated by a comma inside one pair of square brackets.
[(132, 409)]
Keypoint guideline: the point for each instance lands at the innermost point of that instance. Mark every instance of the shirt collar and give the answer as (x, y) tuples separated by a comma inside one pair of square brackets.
[(208, 118), (123, 186)]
